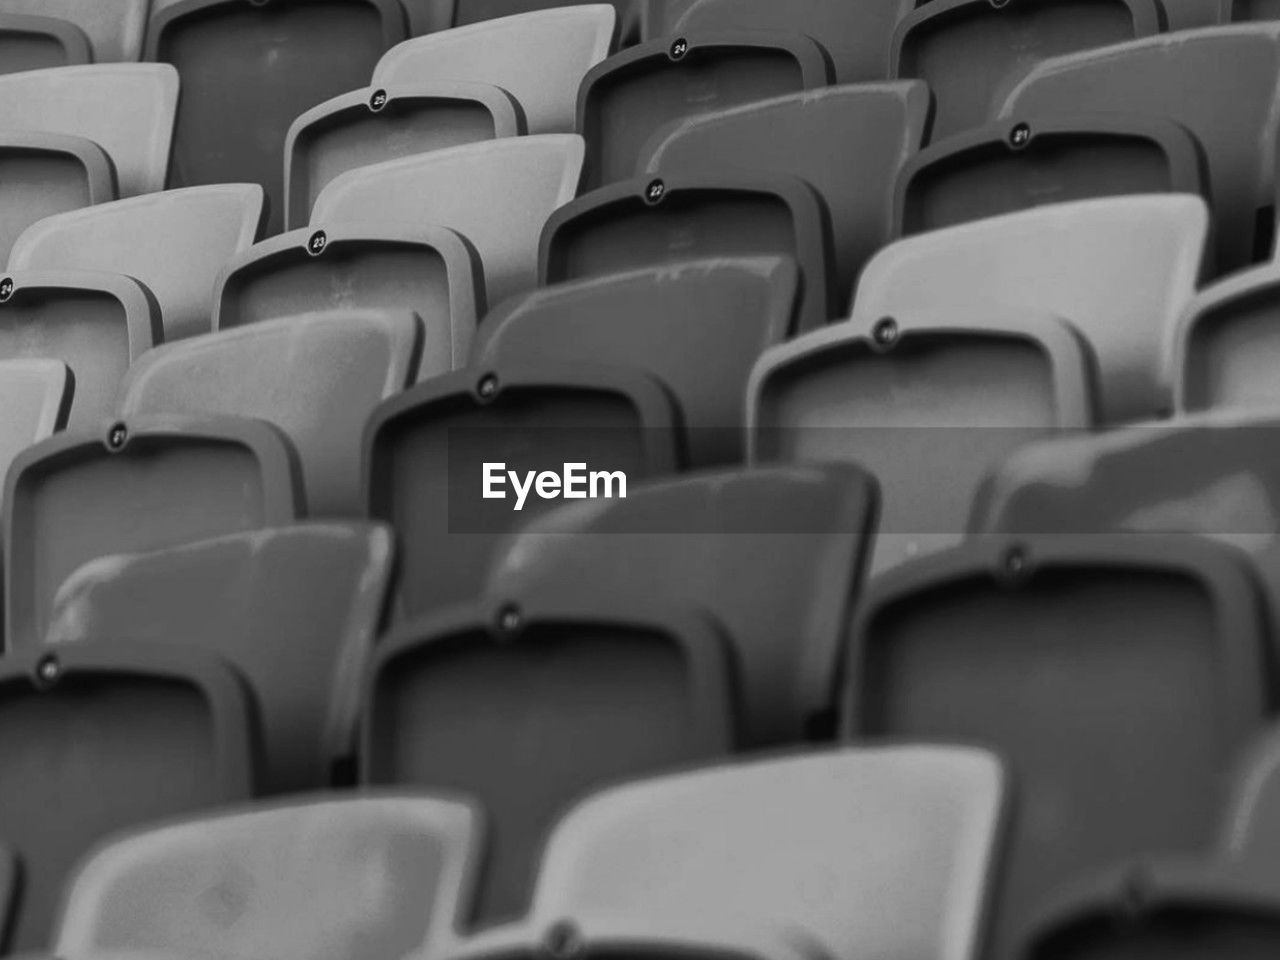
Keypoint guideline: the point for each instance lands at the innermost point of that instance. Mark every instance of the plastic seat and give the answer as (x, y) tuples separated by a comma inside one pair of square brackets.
[(1119, 269), (971, 51), (376, 124), (539, 58), (927, 401), (1221, 84), (294, 609), (1004, 167), (173, 242), (95, 323), (317, 377), (1240, 11), (113, 28), (848, 143), (668, 322), (635, 94), (426, 450), (139, 486), (651, 221), (497, 195), (430, 16), (8, 884), (881, 852), (855, 34), (315, 878), (248, 69), (35, 397), (1118, 676), (1225, 342), (42, 174), (777, 555), (39, 43), (100, 738), (425, 270), (528, 706), (127, 109)]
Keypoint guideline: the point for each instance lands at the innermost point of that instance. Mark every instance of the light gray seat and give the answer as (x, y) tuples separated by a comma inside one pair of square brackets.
[(114, 27), (35, 398)]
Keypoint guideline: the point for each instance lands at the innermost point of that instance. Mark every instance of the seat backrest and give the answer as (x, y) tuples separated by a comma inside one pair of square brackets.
[(95, 323), (35, 397), (40, 43), (1120, 269), (100, 738), (317, 377), (1117, 674), (538, 57), (114, 27), (349, 265), (127, 109), (498, 195), (589, 693), (777, 555), (145, 485), (174, 242), (294, 609), (668, 322), (848, 143)]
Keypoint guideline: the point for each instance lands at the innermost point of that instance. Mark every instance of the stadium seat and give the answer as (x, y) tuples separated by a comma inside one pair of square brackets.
[(849, 853), (8, 885), (95, 323), (431, 16), (173, 242), (1225, 343), (1117, 675), (42, 174), (1119, 269), (776, 555), (668, 322), (376, 124), (127, 109), (314, 877), (39, 43), (1221, 84), (633, 95), (99, 738), (426, 450), (539, 58), (248, 69), (848, 143), (114, 28), (651, 221), (294, 609), (529, 705), (1004, 167), (497, 195), (927, 401), (854, 34), (425, 270), (1182, 15), (317, 377), (971, 51), (35, 398), (146, 485), (1238, 11)]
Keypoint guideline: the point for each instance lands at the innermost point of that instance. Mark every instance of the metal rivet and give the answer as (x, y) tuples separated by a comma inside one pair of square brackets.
[(885, 332), (510, 619), (317, 242), (487, 388), (48, 671), (116, 437), (563, 940), (1014, 563), (1020, 136), (378, 100), (679, 48), (654, 192), (6, 289), (997, 4)]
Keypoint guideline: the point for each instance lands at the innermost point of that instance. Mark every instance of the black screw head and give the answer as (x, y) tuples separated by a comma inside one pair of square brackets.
[(1020, 136), (885, 333), (509, 620), (378, 100), (6, 289), (998, 4), (679, 48), (317, 242), (488, 386), (117, 435), (48, 671), (563, 940), (1015, 564), (654, 192)]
